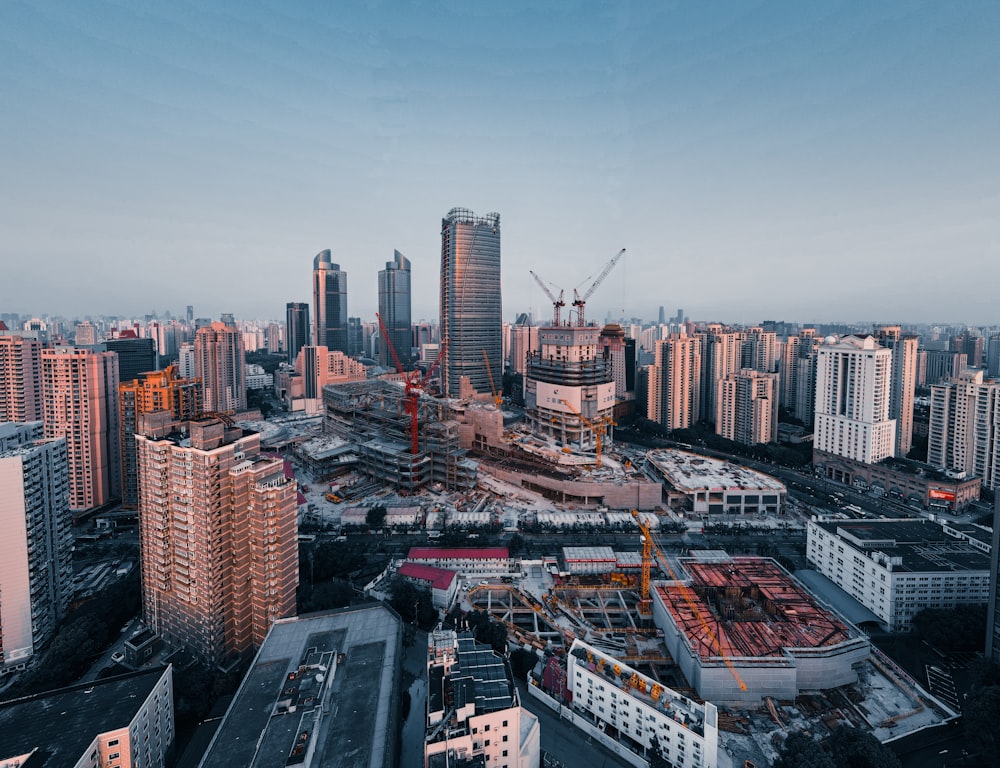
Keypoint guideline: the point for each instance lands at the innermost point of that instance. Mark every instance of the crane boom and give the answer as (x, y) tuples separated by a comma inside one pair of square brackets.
[(649, 546), (557, 304), (580, 301), (597, 430)]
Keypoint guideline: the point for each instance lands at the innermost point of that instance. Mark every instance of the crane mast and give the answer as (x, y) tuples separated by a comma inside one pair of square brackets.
[(557, 304), (580, 301)]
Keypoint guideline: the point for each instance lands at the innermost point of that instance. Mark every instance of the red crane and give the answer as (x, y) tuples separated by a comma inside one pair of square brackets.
[(413, 384)]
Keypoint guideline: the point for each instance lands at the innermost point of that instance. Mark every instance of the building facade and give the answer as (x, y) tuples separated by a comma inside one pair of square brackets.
[(135, 355), (220, 365), (80, 389), (675, 382), (747, 410), (964, 430), (219, 536), (296, 328), (904, 382), (853, 385), (20, 377), (720, 357), (329, 303), (151, 391), (36, 569), (394, 309), (470, 299)]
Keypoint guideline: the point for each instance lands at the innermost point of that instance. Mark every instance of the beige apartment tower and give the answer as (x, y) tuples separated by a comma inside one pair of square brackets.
[(220, 363), (904, 382), (218, 533), (80, 393), (748, 407), (675, 382), (20, 377)]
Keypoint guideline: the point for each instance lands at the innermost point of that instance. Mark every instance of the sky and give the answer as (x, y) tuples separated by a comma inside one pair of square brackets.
[(801, 161)]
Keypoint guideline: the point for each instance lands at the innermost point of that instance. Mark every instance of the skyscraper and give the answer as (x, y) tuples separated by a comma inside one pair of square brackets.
[(296, 328), (904, 382), (36, 569), (674, 382), (20, 377), (471, 320), (394, 309), (220, 363), (330, 303), (720, 357), (152, 391), (135, 355), (964, 430), (748, 407), (853, 381), (80, 389), (217, 527)]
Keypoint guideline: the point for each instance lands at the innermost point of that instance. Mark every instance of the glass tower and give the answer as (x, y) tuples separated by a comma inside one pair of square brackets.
[(471, 322), (330, 303), (296, 328), (394, 309)]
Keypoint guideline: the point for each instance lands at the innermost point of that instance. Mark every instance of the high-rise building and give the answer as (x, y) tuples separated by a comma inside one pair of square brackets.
[(470, 302), (611, 347), (135, 355), (904, 382), (20, 377), (36, 568), (273, 337), (80, 389), (329, 303), (189, 313), (296, 328), (720, 357), (760, 350), (85, 334), (943, 365), (355, 337), (964, 430), (674, 382), (220, 363), (523, 343), (217, 525), (394, 310), (748, 407), (853, 383), (152, 391)]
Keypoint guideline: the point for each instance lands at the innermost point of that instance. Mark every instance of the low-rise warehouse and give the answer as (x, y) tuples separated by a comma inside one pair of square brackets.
[(482, 563), (714, 487), (742, 629)]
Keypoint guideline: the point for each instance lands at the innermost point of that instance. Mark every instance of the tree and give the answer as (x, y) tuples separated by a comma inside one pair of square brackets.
[(375, 517), (962, 628), (980, 713), (801, 751), (860, 749)]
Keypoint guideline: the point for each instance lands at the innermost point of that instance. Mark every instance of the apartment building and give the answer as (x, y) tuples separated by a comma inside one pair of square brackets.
[(20, 377), (747, 409), (964, 430)]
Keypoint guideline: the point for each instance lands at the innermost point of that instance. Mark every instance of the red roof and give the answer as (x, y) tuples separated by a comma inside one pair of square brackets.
[(128, 333), (3, 326), (446, 553), (289, 473), (299, 498), (438, 578)]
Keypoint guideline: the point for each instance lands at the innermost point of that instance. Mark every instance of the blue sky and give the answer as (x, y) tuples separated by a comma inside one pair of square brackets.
[(800, 161)]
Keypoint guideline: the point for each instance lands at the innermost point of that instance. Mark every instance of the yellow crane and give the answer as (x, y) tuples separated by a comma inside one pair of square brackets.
[(648, 549), (597, 429), (497, 397)]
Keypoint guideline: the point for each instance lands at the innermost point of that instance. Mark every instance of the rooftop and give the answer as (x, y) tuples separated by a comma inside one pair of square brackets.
[(748, 607), (458, 553), (689, 472), (438, 578), (320, 692), (62, 724)]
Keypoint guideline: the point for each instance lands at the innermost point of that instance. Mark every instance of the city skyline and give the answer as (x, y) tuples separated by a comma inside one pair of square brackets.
[(781, 160)]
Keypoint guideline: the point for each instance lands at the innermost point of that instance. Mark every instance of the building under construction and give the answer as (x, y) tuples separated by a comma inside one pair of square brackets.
[(380, 419), (742, 630)]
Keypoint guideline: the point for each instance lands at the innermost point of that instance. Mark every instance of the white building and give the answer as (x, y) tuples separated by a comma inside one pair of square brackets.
[(675, 382), (473, 708), (470, 563), (964, 431), (640, 709), (442, 583), (853, 378), (258, 378), (896, 568)]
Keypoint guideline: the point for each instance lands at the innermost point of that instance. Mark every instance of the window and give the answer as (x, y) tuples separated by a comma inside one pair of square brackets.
[(113, 743), (113, 756)]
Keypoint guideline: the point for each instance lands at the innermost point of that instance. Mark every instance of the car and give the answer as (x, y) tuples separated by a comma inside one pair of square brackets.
[(117, 657)]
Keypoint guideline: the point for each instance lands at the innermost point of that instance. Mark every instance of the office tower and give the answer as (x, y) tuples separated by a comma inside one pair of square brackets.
[(943, 365), (273, 338), (80, 403), (964, 430), (394, 309), (993, 355), (760, 350), (217, 527), (85, 334), (720, 356), (329, 303), (611, 347), (355, 337), (20, 377), (220, 363), (296, 328), (904, 382), (135, 355), (36, 568), (674, 382), (152, 391), (662, 317), (853, 383), (470, 299), (748, 407), (189, 313), (569, 389)]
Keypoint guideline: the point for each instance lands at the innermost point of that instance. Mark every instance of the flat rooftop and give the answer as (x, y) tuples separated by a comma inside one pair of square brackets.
[(921, 545), (748, 607), (589, 554), (324, 686), (62, 724), (690, 472)]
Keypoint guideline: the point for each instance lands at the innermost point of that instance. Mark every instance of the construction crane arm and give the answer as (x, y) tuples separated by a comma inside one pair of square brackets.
[(557, 304), (600, 278)]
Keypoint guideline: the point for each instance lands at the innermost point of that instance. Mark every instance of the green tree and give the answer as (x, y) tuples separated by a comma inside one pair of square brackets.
[(802, 751), (980, 714), (854, 748), (375, 517), (962, 628)]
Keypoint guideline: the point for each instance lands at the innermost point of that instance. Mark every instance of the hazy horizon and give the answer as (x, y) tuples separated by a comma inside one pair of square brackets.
[(786, 161)]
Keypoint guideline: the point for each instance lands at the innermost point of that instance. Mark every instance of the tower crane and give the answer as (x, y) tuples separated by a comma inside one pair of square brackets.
[(413, 384), (598, 430), (497, 397), (557, 304), (645, 598), (580, 301)]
